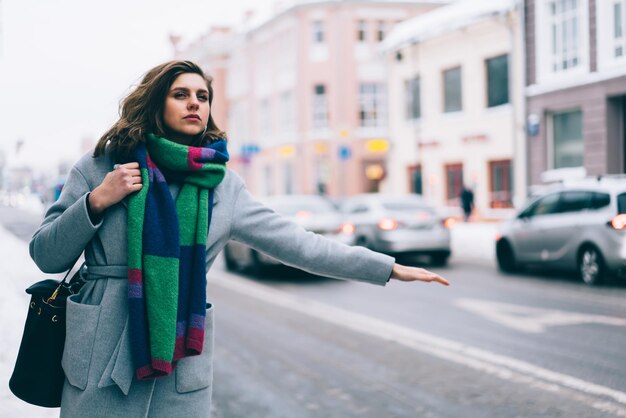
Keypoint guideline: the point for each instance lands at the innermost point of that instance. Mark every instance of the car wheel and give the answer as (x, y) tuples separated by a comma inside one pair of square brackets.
[(361, 242), (505, 257), (439, 260), (591, 266), (231, 264), (256, 266)]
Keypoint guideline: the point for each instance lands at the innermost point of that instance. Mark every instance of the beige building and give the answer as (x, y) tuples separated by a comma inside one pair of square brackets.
[(306, 93), (456, 105)]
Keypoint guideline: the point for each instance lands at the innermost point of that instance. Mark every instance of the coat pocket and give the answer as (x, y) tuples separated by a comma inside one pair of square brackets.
[(82, 323), (195, 373)]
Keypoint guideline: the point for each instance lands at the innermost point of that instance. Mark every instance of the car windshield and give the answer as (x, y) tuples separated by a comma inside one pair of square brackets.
[(406, 207), (303, 205), (621, 203)]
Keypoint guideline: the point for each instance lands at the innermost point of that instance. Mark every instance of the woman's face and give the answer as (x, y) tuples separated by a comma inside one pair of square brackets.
[(186, 110)]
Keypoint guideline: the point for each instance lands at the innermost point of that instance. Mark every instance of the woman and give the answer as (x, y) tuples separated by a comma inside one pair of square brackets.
[(139, 335)]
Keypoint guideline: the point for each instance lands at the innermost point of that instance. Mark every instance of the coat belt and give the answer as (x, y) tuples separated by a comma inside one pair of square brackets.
[(104, 272)]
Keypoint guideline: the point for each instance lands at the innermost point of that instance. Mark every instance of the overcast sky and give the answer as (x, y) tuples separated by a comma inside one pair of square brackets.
[(65, 64)]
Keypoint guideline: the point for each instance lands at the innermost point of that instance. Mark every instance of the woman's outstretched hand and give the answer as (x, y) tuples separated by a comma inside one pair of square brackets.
[(410, 274)]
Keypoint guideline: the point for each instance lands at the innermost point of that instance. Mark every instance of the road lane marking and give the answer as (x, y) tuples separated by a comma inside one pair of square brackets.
[(597, 396), (532, 320)]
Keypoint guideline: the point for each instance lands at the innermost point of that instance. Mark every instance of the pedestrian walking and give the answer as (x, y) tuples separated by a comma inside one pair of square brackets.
[(151, 208), (467, 202)]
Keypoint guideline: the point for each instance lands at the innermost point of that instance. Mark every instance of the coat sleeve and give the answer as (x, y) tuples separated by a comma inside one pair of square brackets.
[(66, 229), (264, 230)]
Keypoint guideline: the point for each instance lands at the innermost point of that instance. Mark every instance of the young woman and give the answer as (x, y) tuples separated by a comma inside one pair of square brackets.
[(151, 209)]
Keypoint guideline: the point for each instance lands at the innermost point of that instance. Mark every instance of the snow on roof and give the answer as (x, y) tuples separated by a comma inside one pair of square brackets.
[(444, 20), (261, 17)]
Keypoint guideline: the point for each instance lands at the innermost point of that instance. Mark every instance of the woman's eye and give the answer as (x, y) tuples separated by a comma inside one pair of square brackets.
[(180, 95), (203, 98)]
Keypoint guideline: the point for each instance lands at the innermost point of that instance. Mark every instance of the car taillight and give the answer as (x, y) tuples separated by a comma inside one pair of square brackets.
[(303, 214), (449, 222), (347, 229), (618, 222), (388, 224)]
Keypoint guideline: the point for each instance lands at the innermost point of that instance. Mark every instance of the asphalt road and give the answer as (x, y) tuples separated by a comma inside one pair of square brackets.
[(277, 362), (295, 345)]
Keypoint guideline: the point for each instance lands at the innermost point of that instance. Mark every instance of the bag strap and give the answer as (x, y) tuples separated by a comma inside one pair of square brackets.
[(64, 281)]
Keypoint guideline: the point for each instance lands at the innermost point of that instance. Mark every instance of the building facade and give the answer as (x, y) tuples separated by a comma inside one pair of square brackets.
[(576, 88), (307, 96), (457, 105)]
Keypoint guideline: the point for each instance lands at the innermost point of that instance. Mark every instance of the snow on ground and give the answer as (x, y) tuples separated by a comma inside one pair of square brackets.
[(18, 272), (474, 241)]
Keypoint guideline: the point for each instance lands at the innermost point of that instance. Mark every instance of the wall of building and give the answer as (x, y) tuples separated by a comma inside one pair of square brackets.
[(474, 136)]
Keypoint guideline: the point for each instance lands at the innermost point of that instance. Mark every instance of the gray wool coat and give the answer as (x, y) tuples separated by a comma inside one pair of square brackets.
[(97, 360)]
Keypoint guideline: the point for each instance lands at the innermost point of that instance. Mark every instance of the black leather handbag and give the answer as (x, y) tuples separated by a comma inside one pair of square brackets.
[(38, 377)]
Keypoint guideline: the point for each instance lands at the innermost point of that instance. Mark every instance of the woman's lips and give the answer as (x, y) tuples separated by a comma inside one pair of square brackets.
[(193, 118)]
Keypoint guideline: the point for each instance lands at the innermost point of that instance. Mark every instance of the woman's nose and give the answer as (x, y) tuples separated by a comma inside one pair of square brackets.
[(193, 102)]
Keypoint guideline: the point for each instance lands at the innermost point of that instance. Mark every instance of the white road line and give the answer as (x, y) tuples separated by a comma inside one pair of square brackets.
[(530, 319), (597, 396)]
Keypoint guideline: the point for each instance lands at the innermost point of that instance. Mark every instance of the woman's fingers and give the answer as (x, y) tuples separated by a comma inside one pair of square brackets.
[(441, 280), (409, 274), (130, 165)]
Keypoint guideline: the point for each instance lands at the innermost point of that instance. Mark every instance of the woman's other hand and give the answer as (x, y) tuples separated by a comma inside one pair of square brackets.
[(117, 184), (410, 274)]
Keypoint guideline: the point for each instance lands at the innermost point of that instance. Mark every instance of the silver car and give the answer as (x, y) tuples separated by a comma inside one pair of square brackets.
[(313, 212), (575, 226), (396, 225)]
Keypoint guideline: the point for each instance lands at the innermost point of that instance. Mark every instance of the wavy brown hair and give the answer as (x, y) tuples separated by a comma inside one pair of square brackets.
[(141, 112)]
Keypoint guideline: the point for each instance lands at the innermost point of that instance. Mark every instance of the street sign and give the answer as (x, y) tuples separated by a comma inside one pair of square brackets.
[(344, 153), (250, 149), (377, 145)]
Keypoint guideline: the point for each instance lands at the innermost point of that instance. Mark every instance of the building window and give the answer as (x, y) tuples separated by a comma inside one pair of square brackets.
[(565, 33), (501, 184), (382, 30), (288, 177), (568, 139), (320, 107), (371, 105), (453, 99), (264, 121), (288, 117), (268, 180), (361, 31), (497, 80), (415, 174), (318, 32), (619, 40), (413, 104), (454, 183)]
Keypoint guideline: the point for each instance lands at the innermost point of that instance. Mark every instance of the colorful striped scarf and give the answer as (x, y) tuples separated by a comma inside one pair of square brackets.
[(167, 252)]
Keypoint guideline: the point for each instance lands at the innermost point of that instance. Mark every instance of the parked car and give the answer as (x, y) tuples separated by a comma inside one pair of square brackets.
[(313, 212), (575, 226), (396, 225)]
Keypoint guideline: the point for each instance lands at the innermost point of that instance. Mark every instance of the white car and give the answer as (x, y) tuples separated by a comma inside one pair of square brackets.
[(313, 212), (397, 225)]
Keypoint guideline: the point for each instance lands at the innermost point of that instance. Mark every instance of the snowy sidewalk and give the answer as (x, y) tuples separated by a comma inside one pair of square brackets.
[(18, 272), (474, 241)]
